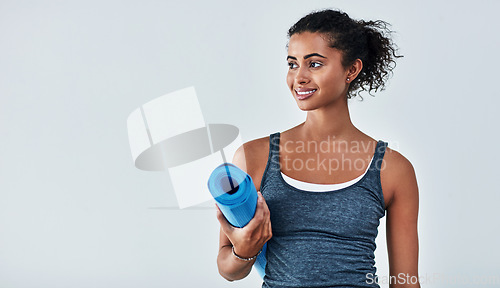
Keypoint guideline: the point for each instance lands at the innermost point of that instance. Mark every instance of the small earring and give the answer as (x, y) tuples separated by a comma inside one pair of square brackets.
[(347, 79)]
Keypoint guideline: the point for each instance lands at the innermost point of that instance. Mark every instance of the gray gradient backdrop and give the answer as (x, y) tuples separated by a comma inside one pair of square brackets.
[(74, 212)]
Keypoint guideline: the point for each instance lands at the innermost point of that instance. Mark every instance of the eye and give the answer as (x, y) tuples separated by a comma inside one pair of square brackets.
[(292, 65), (315, 64)]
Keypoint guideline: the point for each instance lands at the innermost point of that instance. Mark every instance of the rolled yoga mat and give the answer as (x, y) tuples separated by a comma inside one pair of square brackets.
[(235, 194)]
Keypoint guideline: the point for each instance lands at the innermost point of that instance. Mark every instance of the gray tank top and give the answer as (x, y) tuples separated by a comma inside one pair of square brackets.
[(324, 239)]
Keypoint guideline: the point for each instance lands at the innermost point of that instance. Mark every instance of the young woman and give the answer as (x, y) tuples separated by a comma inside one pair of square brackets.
[(324, 184)]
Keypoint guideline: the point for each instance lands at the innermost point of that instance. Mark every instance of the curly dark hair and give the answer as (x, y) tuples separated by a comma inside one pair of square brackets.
[(368, 41)]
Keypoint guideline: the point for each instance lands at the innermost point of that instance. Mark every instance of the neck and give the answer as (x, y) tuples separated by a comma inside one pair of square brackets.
[(329, 123)]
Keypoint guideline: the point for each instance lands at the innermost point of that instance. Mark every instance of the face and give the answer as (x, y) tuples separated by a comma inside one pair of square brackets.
[(315, 76)]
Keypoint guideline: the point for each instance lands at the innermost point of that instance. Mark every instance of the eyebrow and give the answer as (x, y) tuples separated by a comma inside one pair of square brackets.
[(305, 57)]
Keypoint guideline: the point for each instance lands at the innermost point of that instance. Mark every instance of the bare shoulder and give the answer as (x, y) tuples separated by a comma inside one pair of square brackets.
[(252, 157), (397, 162), (402, 215), (397, 174)]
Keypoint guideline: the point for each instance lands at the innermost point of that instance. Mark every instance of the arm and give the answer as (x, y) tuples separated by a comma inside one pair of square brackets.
[(247, 241), (402, 216)]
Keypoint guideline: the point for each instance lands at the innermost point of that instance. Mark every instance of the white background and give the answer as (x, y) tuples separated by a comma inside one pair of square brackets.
[(74, 212)]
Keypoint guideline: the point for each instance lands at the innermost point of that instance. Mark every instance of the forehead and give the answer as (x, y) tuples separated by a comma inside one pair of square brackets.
[(307, 42)]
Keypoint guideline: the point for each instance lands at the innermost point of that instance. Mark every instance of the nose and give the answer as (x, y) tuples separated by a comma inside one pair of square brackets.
[(302, 76)]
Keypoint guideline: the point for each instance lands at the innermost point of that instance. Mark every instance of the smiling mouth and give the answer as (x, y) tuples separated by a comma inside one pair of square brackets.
[(305, 94)]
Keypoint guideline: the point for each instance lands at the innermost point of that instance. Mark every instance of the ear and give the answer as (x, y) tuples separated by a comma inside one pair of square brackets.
[(353, 70)]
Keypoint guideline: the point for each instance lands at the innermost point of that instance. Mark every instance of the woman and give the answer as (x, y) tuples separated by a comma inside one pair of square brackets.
[(324, 184)]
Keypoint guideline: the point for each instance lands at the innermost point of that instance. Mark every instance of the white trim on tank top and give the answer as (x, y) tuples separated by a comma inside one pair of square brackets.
[(313, 187)]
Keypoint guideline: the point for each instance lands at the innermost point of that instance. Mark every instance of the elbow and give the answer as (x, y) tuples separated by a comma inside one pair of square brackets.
[(223, 271), (232, 276), (225, 277), (228, 277)]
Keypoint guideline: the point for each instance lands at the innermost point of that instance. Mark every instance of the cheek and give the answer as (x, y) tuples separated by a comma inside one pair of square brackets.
[(333, 80), (289, 80)]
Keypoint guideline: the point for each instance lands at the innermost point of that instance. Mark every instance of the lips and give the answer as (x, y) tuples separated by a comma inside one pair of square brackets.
[(304, 93)]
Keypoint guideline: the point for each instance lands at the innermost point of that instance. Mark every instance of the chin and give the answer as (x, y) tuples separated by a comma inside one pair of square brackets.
[(307, 107)]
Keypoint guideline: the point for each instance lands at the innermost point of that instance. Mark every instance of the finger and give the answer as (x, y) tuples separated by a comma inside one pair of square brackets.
[(266, 226), (258, 217), (262, 208), (266, 208)]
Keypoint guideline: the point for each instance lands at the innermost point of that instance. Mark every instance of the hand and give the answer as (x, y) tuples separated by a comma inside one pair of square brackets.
[(248, 240)]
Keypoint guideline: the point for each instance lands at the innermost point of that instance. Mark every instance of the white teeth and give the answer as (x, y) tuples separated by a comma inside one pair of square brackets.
[(305, 93)]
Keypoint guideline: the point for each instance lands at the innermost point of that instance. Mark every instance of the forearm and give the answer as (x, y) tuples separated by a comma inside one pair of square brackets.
[(230, 267), (403, 281)]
